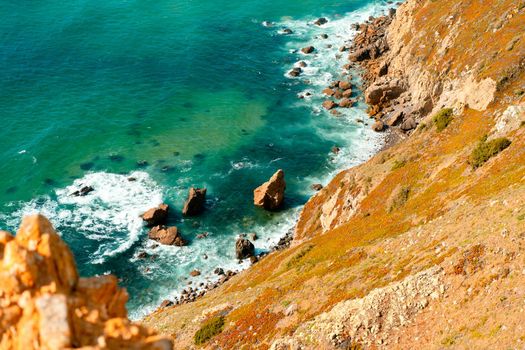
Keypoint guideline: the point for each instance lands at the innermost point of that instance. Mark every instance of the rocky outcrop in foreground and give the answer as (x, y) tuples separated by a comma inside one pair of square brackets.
[(46, 305)]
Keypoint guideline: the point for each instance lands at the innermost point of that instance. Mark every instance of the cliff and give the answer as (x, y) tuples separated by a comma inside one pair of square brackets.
[(422, 246), (46, 305)]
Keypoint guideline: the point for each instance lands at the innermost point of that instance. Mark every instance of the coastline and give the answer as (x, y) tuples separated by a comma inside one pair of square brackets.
[(386, 139)]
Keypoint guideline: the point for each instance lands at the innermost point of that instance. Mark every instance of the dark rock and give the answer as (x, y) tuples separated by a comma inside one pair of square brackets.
[(84, 191), (295, 72), (316, 187), (286, 31), (253, 259), (320, 21), (253, 236), (408, 124), (324, 36), (166, 303), (244, 249), (194, 205), (156, 216), (335, 149), (308, 49)]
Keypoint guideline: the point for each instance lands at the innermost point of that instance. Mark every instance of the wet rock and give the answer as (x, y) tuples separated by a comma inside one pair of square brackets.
[(202, 235), (270, 195), (84, 191), (194, 205), (166, 303), (329, 104), (253, 259), (218, 271), (347, 93), (335, 149), (345, 85), (166, 235), (378, 126), (308, 49), (195, 273), (156, 216), (324, 36), (286, 31), (295, 72), (244, 249), (142, 255), (316, 187), (328, 92), (345, 103), (302, 64), (320, 21)]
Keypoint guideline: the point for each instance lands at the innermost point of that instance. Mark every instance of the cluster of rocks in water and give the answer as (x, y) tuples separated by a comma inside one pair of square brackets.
[(269, 196)]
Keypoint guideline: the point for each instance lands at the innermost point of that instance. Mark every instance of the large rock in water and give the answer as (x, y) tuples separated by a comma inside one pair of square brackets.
[(194, 205), (46, 305), (156, 216), (244, 249), (166, 235), (270, 195)]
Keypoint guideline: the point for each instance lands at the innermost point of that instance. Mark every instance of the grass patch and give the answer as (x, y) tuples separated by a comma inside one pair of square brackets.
[(400, 198), (293, 261), (442, 118), (521, 217), (486, 150), (398, 164), (209, 329)]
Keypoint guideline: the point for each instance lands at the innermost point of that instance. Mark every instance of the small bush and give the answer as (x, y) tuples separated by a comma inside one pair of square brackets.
[(442, 118), (400, 198), (293, 261), (209, 329), (486, 150), (398, 164)]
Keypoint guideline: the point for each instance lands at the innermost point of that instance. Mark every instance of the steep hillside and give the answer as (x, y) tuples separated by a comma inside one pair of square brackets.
[(423, 245)]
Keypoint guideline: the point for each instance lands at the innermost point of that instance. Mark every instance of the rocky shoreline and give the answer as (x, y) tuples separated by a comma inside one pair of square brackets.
[(363, 55)]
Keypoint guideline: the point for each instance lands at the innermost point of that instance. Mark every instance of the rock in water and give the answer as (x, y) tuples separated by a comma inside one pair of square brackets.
[(46, 305), (156, 216), (194, 205), (166, 235), (270, 195), (244, 249), (308, 49)]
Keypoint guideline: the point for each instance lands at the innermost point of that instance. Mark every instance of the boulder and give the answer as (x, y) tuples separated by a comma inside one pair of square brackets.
[(308, 49), (286, 31), (302, 64), (378, 126), (320, 21), (338, 94), (244, 249), (347, 93), (345, 85), (335, 149), (395, 118), (329, 104), (359, 55), (84, 191), (156, 216), (194, 205), (253, 236), (324, 36), (328, 92), (295, 72), (195, 273), (270, 195), (316, 187), (408, 124), (166, 235), (384, 89), (345, 103)]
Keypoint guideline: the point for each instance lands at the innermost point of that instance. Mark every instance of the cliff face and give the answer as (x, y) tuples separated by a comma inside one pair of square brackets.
[(45, 305)]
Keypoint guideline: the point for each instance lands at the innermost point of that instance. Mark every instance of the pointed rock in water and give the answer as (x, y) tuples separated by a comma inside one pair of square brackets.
[(194, 205), (270, 195), (156, 216), (321, 21), (244, 249), (166, 235)]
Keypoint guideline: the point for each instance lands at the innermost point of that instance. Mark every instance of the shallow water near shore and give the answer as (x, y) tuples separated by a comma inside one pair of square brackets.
[(142, 101)]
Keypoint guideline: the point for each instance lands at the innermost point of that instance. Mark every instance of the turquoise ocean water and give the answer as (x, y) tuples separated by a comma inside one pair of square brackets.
[(173, 93)]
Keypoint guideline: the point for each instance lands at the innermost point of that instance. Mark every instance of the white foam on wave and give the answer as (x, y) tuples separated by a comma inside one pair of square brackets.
[(110, 214), (352, 132)]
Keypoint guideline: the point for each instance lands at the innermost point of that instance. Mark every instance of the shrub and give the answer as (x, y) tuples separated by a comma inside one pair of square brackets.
[(400, 198), (398, 164), (295, 260), (209, 329), (486, 150), (442, 118)]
